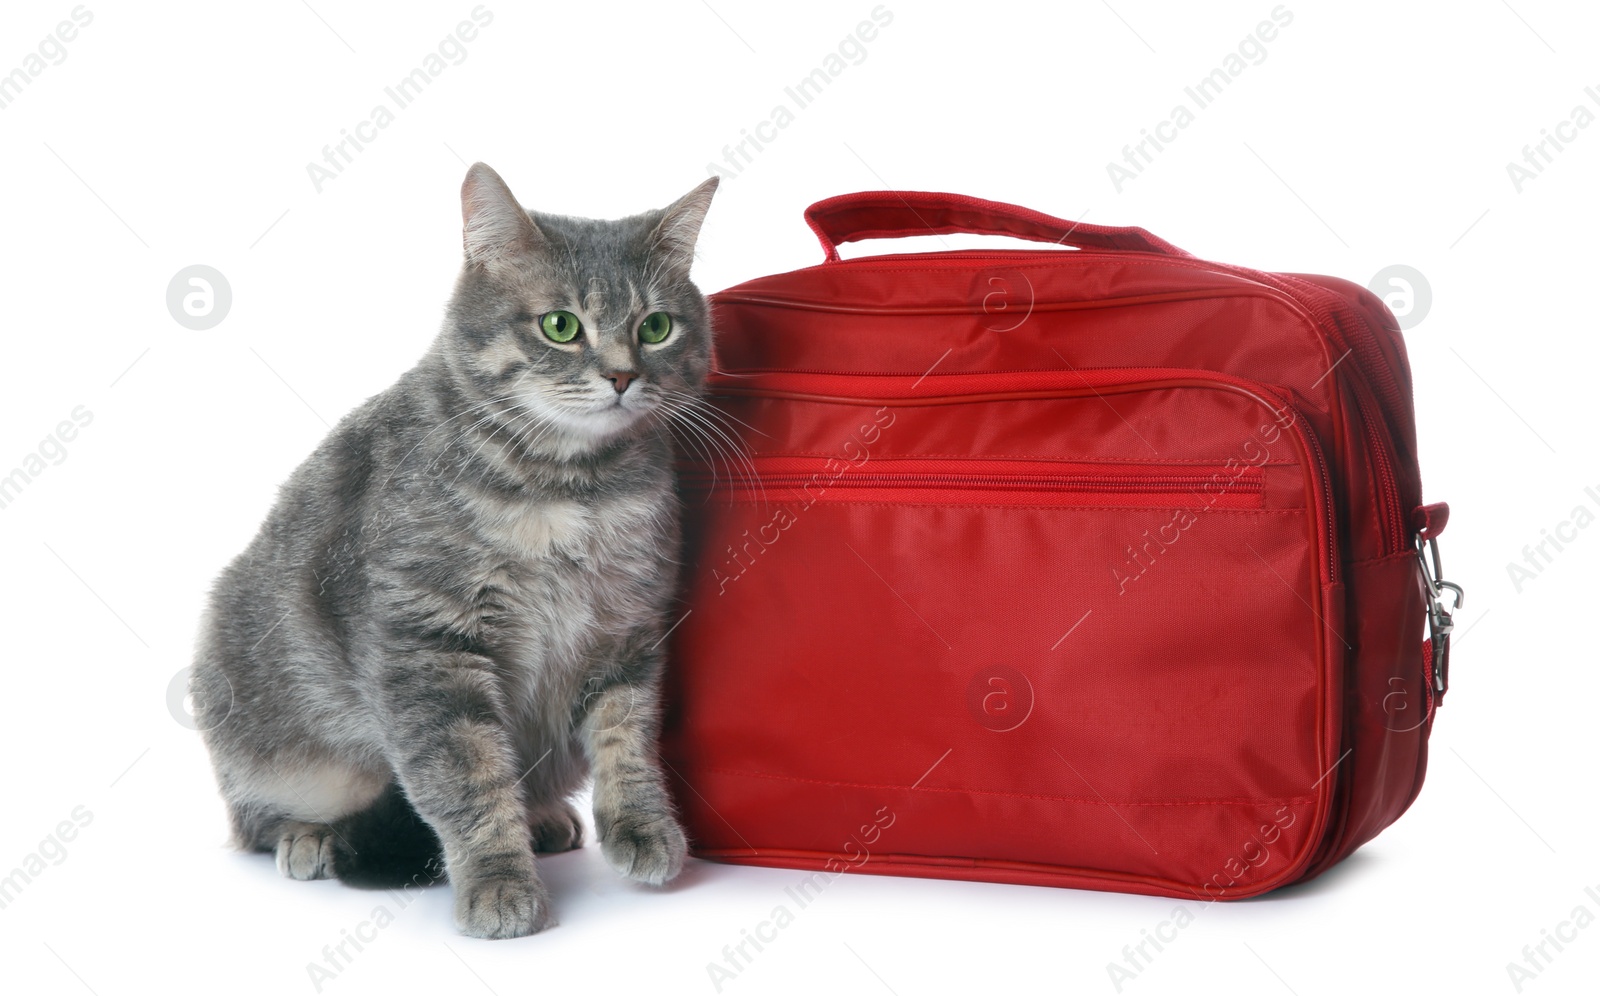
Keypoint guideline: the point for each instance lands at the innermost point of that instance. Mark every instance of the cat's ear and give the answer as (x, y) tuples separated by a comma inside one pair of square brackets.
[(674, 236), (495, 232)]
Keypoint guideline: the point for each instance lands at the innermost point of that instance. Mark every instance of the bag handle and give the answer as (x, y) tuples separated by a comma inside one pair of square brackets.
[(891, 214)]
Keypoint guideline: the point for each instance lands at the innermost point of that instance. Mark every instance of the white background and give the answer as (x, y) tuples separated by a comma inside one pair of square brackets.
[(1372, 134)]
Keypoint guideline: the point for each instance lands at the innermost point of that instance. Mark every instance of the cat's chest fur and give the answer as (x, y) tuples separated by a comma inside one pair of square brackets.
[(532, 532), (560, 574), (562, 583)]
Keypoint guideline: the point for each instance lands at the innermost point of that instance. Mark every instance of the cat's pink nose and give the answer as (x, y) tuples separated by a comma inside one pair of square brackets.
[(621, 379)]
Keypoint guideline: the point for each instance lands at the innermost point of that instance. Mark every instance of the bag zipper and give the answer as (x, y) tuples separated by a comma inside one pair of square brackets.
[(1325, 309), (1091, 383), (1390, 520), (1175, 490)]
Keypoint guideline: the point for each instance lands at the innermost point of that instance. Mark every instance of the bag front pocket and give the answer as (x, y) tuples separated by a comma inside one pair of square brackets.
[(1096, 667)]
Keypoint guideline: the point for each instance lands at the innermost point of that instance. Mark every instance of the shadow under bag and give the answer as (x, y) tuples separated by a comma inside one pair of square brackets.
[(1097, 566)]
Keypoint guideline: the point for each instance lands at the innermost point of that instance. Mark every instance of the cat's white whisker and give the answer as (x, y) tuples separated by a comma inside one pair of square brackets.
[(466, 411), (735, 448), (674, 427)]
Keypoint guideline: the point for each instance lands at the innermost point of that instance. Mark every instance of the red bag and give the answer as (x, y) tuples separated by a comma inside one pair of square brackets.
[(1097, 567)]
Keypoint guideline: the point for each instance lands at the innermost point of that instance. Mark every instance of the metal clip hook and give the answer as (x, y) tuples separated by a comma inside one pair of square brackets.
[(1439, 617)]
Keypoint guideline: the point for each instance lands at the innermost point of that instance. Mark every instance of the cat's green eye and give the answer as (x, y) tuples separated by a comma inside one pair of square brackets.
[(655, 327), (560, 326)]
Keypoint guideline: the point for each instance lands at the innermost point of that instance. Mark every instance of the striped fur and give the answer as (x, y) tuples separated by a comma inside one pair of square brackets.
[(454, 612)]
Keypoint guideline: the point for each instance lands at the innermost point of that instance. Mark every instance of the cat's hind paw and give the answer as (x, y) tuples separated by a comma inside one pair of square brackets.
[(556, 828)]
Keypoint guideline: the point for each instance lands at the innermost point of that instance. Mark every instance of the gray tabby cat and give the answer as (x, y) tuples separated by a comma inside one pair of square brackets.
[(455, 611)]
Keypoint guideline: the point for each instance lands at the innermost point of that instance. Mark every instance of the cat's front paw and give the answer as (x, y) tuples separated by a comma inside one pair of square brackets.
[(502, 906), (646, 847), (305, 851)]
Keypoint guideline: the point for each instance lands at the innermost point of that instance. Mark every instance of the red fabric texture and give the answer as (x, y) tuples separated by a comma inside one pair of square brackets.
[(1103, 582)]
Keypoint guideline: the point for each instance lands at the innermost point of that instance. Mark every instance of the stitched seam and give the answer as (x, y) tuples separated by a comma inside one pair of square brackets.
[(1028, 457), (1209, 510), (1293, 800), (938, 377), (1408, 555), (1194, 293)]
